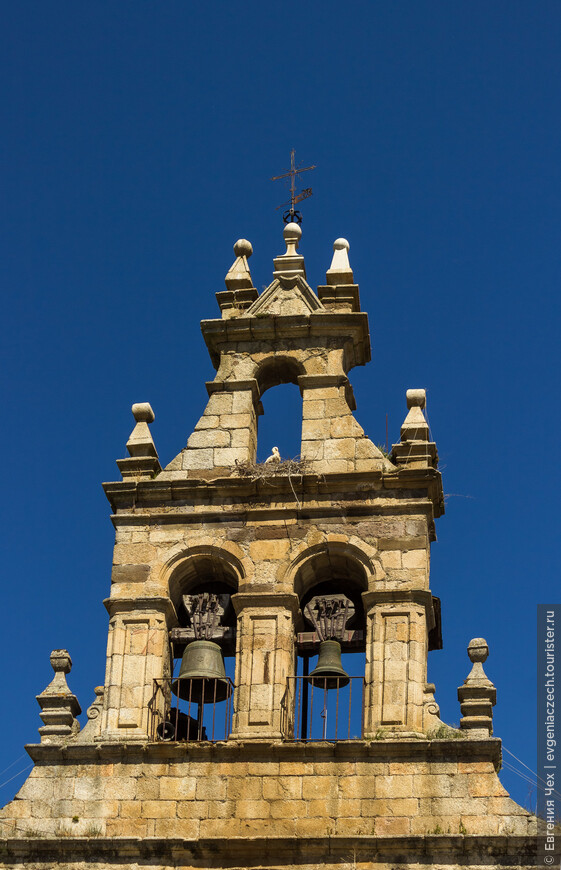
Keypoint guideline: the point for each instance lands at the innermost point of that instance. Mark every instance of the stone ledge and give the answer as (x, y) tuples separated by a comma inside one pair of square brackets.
[(154, 493), (443, 847), (405, 749)]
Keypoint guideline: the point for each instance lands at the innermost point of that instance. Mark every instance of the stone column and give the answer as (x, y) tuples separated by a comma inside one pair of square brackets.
[(396, 660), (137, 654), (265, 655)]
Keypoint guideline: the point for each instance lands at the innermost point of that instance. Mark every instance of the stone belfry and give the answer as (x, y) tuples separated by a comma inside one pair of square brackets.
[(182, 763)]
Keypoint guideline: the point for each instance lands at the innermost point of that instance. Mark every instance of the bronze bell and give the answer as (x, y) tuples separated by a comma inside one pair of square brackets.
[(329, 673), (202, 676)]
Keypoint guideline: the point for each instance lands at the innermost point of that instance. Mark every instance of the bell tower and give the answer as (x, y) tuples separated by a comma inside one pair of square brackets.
[(218, 739)]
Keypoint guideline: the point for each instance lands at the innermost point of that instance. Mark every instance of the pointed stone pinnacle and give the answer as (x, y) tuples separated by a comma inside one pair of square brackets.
[(415, 427), (140, 442), (340, 271), (239, 276), (142, 462)]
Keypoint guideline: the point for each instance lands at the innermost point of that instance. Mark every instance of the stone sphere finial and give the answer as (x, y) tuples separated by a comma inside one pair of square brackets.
[(416, 398), (340, 245), (292, 233), (478, 649), (243, 248), (143, 413)]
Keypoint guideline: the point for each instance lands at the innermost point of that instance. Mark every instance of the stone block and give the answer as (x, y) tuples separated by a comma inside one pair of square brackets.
[(133, 554), (147, 788), (208, 421), (130, 573), (263, 768), (389, 807), (221, 809), (249, 809), (313, 430), (245, 788), (126, 828), (479, 825), (177, 828), (314, 827), (209, 438), (486, 785), (319, 787), (242, 402), (394, 786), (241, 438), (392, 827), (130, 809), (235, 421), (227, 456), (288, 809), (414, 559), (159, 809), (313, 410), (196, 809), (177, 788), (120, 788), (345, 427), (312, 450), (459, 806), (218, 404), (339, 448), (358, 786), (390, 559), (211, 788), (198, 458), (220, 828), (261, 551)]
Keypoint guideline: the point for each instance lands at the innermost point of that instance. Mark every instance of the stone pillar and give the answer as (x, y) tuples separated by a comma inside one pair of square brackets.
[(137, 654), (59, 706), (396, 661), (332, 440), (227, 431), (478, 695), (265, 656)]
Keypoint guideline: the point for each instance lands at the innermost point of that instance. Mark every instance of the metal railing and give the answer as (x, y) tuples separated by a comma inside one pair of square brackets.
[(311, 711), (198, 713)]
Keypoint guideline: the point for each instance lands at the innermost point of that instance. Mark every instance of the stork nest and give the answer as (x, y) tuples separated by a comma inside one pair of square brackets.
[(268, 470)]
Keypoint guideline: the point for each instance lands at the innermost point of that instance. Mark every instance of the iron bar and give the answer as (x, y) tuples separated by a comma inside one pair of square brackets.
[(176, 720), (335, 719)]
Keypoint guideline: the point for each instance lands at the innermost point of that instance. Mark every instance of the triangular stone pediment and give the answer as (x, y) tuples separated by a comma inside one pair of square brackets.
[(286, 296)]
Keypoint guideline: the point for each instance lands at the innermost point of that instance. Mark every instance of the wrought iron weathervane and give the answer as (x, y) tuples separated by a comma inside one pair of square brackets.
[(292, 214)]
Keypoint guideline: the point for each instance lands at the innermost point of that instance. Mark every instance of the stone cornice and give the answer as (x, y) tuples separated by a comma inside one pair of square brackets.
[(443, 848), (133, 495), (149, 604), (288, 600), (222, 335), (405, 749)]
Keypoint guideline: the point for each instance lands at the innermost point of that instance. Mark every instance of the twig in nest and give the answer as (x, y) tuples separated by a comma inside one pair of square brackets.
[(270, 470)]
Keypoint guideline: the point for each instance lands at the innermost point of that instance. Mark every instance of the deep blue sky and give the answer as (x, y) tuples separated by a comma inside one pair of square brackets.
[(138, 140)]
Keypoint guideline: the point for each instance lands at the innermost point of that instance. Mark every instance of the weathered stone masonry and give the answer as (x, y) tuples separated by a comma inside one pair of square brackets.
[(409, 792)]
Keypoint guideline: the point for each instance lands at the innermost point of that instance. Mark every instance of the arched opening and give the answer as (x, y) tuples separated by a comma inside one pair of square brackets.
[(199, 692), (331, 660), (280, 425)]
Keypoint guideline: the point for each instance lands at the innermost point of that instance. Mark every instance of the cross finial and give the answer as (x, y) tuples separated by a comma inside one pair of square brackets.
[(292, 214)]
